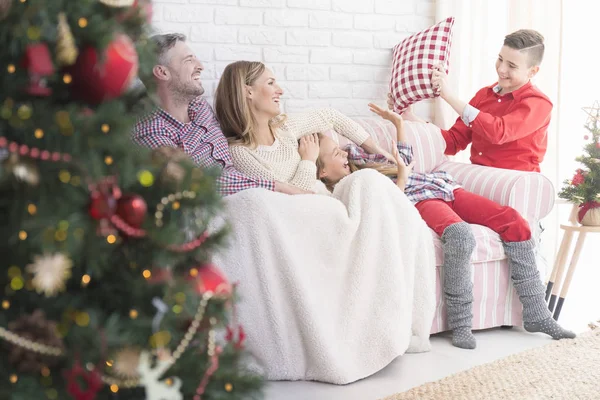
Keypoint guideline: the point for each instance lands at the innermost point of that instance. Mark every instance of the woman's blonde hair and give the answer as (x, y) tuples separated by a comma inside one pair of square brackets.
[(231, 105), (386, 169)]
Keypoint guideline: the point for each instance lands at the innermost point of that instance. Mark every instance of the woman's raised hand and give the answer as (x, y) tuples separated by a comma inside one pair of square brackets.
[(309, 147)]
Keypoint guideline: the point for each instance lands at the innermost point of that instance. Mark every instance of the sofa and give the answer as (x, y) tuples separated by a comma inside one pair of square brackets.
[(532, 194)]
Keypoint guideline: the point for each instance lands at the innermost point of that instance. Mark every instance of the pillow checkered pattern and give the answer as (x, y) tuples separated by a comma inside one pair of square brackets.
[(413, 59)]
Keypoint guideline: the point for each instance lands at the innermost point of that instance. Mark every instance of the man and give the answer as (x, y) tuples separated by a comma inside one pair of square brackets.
[(185, 120)]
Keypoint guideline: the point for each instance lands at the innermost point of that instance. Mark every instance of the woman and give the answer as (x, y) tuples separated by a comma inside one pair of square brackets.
[(264, 143)]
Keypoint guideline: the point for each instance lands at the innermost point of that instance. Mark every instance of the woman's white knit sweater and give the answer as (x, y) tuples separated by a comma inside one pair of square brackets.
[(281, 161)]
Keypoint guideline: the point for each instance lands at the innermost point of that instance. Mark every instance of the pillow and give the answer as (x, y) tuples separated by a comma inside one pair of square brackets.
[(412, 62)]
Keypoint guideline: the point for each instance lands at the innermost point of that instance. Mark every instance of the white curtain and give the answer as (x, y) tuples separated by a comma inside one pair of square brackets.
[(479, 32)]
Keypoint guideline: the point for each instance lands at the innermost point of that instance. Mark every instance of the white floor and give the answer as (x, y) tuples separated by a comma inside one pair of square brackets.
[(581, 307)]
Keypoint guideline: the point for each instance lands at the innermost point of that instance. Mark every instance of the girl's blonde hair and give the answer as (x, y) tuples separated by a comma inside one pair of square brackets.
[(386, 169), (231, 105)]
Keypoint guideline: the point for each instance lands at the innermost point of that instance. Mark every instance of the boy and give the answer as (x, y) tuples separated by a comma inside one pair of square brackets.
[(505, 123)]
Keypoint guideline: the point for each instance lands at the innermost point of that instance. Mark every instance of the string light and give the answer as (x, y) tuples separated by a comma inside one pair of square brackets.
[(133, 314), (31, 209), (114, 388), (11, 68), (105, 128), (38, 133), (5, 304), (82, 22), (64, 176), (67, 78), (16, 283), (13, 378), (108, 160), (111, 239), (45, 371), (146, 273), (193, 272), (85, 280), (82, 319), (22, 235)]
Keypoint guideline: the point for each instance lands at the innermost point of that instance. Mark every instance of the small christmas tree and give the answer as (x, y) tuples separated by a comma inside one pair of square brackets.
[(107, 290), (584, 188)]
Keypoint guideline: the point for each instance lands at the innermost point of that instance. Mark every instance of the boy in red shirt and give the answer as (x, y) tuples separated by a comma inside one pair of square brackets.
[(506, 123)]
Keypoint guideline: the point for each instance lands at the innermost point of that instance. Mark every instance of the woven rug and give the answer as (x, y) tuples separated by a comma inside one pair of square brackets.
[(565, 369)]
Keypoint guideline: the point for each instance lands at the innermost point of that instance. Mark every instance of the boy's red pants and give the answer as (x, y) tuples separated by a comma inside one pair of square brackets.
[(474, 209)]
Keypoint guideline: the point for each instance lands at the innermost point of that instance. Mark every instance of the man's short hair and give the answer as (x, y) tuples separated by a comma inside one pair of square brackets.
[(165, 42), (528, 41)]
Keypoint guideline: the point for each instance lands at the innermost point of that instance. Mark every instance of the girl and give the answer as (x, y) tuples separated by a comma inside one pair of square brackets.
[(264, 143), (448, 210)]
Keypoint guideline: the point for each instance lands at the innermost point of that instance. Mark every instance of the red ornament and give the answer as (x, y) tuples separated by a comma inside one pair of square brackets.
[(598, 145), (132, 209), (92, 380), (586, 137), (38, 62), (102, 206), (97, 78), (579, 178), (210, 279)]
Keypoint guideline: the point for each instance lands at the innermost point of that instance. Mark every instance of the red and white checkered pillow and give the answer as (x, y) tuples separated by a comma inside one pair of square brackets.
[(413, 59)]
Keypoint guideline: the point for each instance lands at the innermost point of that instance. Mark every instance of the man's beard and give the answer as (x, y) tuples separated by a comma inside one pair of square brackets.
[(185, 92)]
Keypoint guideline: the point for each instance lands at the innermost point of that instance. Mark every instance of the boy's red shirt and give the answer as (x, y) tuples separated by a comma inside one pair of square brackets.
[(509, 132)]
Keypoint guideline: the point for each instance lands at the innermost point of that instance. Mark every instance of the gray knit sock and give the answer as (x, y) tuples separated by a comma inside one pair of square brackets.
[(550, 327), (463, 337), (526, 279), (458, 244)]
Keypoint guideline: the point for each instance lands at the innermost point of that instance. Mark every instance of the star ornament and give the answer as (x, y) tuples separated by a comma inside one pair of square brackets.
[(593, 112), (50, 272)]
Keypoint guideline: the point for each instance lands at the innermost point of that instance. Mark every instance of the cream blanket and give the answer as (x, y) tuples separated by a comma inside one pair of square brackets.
[(332, 288)]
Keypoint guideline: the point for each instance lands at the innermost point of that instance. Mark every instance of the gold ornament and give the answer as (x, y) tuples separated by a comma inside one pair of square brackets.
[(50, 271), (24, 170), (66, 51), (125, 363), (593, 112), (117, 3), (5, 8)]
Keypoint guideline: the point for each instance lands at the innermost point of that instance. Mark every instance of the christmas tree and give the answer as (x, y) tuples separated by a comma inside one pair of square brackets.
[(584, 188), (107, 287)]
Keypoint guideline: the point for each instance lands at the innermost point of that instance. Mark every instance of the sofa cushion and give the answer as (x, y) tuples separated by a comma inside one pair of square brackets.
[(412, 62)]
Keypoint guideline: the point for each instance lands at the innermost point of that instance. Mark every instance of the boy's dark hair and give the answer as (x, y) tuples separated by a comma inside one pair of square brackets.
[(528, 41), (163, 43)]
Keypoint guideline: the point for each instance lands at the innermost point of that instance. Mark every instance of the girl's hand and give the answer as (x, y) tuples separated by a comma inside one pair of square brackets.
[(386, 114), (309, 147), (404, 170)]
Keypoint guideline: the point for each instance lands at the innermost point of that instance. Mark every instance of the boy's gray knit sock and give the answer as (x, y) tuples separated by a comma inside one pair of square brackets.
[(527, 282), (458, 244)]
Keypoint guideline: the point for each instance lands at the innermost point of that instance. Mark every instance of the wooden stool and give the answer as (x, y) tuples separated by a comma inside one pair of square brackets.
[(556, 278)]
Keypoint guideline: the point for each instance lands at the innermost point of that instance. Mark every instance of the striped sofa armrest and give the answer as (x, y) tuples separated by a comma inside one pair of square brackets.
[(530, 193)]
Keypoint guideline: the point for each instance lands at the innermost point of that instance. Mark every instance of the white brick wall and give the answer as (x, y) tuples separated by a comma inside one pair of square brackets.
[(324, 53)]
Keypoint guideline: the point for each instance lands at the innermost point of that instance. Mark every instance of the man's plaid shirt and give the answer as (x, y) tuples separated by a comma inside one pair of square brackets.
[(201, 139), (420, 186)]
